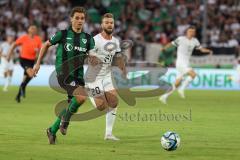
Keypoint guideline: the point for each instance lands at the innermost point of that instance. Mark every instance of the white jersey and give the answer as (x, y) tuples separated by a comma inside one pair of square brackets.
[(6, 65), (4, 47), (104, 50), (185, 48)]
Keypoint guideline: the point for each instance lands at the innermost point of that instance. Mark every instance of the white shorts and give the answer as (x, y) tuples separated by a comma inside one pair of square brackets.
[(182, 70), (99, 86), (5, 65)]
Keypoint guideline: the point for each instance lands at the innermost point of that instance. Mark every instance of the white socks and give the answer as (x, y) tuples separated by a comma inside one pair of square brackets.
[(171, 91), (181, 89), (110, 119), (7, 82), (186, 82)]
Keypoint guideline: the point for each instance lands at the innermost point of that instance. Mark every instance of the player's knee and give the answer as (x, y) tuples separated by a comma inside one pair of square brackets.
[(11, 72), (81, 99), (30, 72), (100, 105), (113, 103), (178, 82), (5, 74), (193, 75), (100, 108)]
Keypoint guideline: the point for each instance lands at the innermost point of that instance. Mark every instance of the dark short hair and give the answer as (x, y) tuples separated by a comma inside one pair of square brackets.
[(32, 25), (107, 15), (78, 10), (191, 27)]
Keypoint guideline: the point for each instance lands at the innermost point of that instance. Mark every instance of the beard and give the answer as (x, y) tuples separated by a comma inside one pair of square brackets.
[(108, 31)]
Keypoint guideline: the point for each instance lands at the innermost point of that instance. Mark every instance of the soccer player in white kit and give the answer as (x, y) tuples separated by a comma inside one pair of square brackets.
[(5, 64), (98, 77), (185, 46)]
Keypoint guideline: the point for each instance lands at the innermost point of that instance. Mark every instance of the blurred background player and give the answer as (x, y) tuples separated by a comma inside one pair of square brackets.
[(73, 46), (185, 46), (6, 65), (102, 91), (30, 45)]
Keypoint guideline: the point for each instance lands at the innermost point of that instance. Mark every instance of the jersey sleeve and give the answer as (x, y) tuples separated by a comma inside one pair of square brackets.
[(94, 50), (118, 46), (20, 40), (39, 43), (197, 45), (56, 38), (119, 52), (176, 42), (91, 43)]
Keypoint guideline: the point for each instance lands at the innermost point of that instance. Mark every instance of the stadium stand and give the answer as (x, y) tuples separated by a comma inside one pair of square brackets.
[(147, 22)]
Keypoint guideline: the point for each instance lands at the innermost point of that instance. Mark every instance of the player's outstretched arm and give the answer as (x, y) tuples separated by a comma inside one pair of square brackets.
[(166, 47), (205, 50), (42, 52), (10, 52)]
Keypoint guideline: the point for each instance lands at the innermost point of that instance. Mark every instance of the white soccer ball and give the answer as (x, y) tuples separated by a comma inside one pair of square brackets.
[(170, 141)]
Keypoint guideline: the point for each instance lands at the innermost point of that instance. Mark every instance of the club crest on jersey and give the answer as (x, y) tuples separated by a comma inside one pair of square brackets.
[(53, 36), (68, 47), (110, 46), (84, 40)]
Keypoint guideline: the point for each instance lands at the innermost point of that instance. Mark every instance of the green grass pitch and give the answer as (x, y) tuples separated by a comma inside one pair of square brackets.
[(210, 132)]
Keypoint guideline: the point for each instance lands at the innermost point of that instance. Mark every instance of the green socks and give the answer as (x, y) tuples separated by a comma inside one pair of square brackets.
[(67, 113), (54, 128), (56, 124), (73, 107)]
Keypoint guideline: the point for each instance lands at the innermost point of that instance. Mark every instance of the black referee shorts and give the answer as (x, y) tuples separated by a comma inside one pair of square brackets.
[(26, 63)]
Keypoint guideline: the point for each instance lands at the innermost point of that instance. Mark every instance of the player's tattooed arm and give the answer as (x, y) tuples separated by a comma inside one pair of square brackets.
[(92, 58), (120, 61)]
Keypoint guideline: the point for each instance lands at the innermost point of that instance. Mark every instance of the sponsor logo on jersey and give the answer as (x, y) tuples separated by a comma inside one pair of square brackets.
[(80, 49), (68, 47), (52, 37)]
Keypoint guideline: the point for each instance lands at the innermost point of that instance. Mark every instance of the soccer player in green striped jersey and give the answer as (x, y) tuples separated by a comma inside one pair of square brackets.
[(73, 48)]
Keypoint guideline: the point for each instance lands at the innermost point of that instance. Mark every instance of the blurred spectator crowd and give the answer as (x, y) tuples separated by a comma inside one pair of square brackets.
[(143, 21)]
